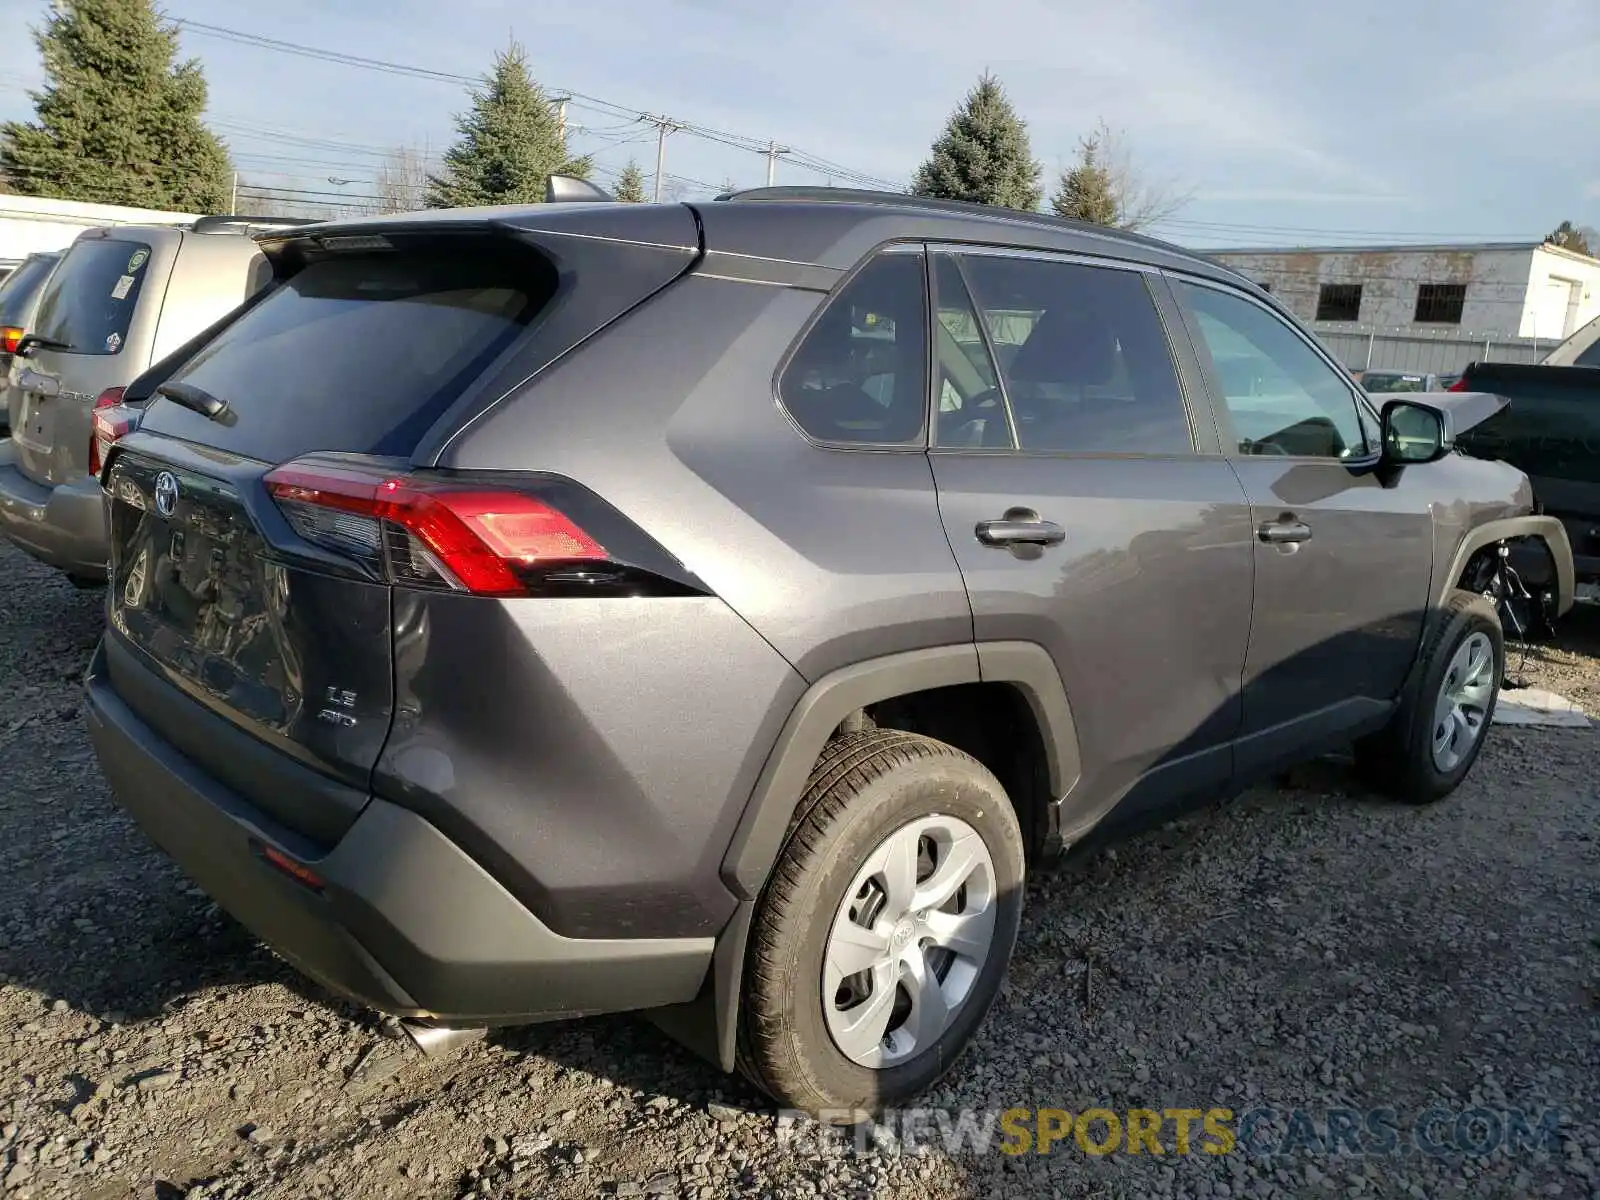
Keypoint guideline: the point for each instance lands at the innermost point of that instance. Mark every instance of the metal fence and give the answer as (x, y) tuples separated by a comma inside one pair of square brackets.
[(1441, 352)]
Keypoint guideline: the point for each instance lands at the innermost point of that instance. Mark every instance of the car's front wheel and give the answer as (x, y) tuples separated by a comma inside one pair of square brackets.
[(884, 933), (1434, 737)]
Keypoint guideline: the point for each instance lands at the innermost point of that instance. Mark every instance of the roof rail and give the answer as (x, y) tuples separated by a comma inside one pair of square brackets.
[(216, 224), (569, 189), (836, 195)]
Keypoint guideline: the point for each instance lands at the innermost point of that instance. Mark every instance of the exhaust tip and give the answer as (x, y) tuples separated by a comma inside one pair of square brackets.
[(436, 1041)]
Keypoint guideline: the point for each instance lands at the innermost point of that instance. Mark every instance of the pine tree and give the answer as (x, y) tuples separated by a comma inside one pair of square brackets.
[(119, 118), (1569, 238), (1087, 191), (983, 154), (510, 143), (630, 184)]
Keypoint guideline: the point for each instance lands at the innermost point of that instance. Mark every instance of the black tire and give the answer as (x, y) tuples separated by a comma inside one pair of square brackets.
[(863, 788), (1398, 759)]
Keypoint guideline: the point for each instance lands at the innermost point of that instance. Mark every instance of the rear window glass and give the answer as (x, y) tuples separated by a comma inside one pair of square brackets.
[(20, 287), (359, 354), (860, 375), (89, 302)]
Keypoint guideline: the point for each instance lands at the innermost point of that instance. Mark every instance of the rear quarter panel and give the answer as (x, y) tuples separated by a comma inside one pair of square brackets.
[(662, 713)]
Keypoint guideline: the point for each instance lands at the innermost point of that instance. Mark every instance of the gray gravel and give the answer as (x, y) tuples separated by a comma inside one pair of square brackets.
[(1306, 946)]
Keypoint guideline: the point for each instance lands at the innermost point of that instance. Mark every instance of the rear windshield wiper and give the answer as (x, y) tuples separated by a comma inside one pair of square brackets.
[(32, 341), (195, 399)]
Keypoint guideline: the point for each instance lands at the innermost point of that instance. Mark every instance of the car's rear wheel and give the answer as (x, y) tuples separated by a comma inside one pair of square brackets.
[(1428, 747), (884, 933)]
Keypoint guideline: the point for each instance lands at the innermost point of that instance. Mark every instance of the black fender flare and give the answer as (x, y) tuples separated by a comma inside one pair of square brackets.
[(827, 702), (710, 1025), (1548, 529)]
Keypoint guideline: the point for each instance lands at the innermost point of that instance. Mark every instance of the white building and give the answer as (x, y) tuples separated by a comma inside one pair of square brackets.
[(32, 223), (1492, 292)]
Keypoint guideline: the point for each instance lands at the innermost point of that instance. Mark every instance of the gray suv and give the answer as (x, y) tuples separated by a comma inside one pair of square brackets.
[(121, 298), (720, 609)]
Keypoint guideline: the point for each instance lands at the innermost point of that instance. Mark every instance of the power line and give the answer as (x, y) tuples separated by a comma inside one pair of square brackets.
[(735, 140)]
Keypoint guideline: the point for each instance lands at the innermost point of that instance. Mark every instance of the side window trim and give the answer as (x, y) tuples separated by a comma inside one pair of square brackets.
[(1205, 423), (1359, 400), (898, 248), (935, 386)]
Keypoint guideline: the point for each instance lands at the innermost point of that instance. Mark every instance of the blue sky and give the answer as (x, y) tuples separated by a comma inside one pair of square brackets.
[(1289, 123)]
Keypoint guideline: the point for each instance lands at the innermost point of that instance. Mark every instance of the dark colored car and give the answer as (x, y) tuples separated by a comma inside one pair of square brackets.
[(19, 300), (719, 609), (1550, 429)]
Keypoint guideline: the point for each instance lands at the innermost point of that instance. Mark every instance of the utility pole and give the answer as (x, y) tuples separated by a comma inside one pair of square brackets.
[(664, 126), (773, 151), (561, 117), (233, 200)]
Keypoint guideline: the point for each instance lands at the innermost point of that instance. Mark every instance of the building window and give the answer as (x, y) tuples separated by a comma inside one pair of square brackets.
[(1339, 302), (1440, 303)]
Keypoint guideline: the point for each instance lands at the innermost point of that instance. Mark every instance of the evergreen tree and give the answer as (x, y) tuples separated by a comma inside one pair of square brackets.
[(983, 154), (630, 184), (1087, 191), (510, 143), (118, 120), (1569, 238)]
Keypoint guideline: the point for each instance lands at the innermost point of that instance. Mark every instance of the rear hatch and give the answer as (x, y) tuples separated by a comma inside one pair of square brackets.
[(94, 323), (267, 505)]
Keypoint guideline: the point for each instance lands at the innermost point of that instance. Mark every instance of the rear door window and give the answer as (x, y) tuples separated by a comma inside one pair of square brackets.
[(358, 353), (1083, 357), (20, 287), (90, 300)]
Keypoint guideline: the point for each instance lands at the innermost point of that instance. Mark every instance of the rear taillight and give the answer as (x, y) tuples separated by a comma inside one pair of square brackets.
[(10, 338), (448, 534), (111, 419), (1459, 385)]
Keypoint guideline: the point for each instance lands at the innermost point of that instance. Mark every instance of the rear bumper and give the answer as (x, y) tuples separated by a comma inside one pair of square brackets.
[(405, 922), (64, 526)]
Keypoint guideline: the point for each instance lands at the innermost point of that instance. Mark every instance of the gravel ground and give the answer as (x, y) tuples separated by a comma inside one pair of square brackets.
[(1304, 947)]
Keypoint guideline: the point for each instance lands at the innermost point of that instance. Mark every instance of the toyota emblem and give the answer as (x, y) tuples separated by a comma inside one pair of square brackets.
[(166, 493)]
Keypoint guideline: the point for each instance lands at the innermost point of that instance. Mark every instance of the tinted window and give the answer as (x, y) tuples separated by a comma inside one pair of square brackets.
[(972, 411), (1282, 397), (358, 353), (1557, 436), (90, 300), (1083, 356), (20, 287), (1590, 357), (860, 375)]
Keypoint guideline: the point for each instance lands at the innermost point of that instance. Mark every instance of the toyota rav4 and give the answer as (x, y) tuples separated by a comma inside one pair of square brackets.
[(721, 608)]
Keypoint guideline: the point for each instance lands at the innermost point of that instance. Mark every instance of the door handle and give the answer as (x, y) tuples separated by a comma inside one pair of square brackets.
[(1020, 527), (1284, 531), (44, 385)]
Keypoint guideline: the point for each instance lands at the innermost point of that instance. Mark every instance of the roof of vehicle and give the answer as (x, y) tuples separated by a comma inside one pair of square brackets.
[(829, 227), (241, 224)]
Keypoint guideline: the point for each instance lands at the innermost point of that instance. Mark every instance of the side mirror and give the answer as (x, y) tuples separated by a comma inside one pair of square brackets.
[(1414, 432)]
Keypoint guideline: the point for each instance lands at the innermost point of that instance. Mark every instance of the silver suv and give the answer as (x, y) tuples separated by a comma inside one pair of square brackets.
[(121, 299)]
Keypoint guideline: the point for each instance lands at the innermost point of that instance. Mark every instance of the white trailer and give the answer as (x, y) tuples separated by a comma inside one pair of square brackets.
[(32, 223)]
